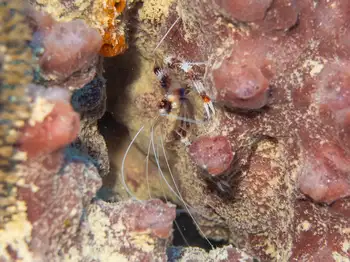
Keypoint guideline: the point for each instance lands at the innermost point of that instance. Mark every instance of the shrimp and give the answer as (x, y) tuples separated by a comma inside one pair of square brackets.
[(175, 104)]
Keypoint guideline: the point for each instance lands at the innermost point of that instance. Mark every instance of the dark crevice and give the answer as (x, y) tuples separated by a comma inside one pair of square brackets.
[(190, 232)]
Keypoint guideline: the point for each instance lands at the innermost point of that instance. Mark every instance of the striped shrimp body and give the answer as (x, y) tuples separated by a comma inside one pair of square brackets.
[(188, 70), (175, 106)]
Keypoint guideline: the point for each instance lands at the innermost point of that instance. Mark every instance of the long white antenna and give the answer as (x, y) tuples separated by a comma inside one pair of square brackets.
[(189, 120), (172, 190), (123, 164), (166, 34)]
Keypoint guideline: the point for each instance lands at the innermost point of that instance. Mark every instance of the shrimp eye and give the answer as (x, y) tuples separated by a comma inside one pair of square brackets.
[(166, 105), (156, 70), (205, 98), (161, 104)]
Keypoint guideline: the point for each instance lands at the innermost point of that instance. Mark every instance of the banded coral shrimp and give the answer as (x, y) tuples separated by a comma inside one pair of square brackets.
[(165, 109), (176, 117)]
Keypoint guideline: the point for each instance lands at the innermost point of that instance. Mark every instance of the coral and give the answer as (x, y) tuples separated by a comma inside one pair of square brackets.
[(90, 102), (266, 171), (331, 238), (92, 143), (55, 198), (124, 231), (244, 87), (44, 193), (53, 123), (102, 15), (15, 73), (70, 50), (213, 154), (68, 46), (223, 254), (114, 42), (278, 77), (247, 11), (325, 174)]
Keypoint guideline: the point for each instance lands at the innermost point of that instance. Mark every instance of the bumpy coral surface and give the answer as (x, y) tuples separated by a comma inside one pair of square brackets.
[(277, 74), (103, 15), (44, 188), (15, 73), (124, 231), (56, 192), (224, 254), (68, 51), (253, 140), (90, 102), (46, 211)]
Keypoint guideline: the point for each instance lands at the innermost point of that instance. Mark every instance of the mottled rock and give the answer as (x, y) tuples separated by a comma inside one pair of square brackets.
[(54, 125), (69, 53), (123, 231), (285, 64), (325, 174), (247, 11), (318, 240), (56, 192), (224, 254), (333, 98), (281, 15), (241, 87), (90, 102), (91, 142)]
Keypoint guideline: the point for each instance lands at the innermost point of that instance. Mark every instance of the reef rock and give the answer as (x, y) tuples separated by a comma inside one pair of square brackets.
[(56, 192), (123, 231), (68, 51), (276, 74), (224, 254)]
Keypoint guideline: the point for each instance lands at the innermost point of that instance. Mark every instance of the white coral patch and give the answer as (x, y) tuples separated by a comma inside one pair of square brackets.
[(41, 109)]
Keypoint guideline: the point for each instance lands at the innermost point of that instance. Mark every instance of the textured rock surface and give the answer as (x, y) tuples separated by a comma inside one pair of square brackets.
[(69, 50), (46, 213), (56, 192), (269, 172), (15, 67), (277, 76), (124, 231), (103, 15), (224, 254), (44, 195), (247, 11), (90, 102)]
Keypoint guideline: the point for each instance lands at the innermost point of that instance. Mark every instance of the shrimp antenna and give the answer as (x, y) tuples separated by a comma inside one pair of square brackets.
[(166, 34), (189, 120), (166, 199), (123, 164), (180, 195), (172, 190), (147, 175)]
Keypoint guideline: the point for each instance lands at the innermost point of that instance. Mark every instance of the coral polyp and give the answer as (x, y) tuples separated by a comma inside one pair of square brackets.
[(114, 42)]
